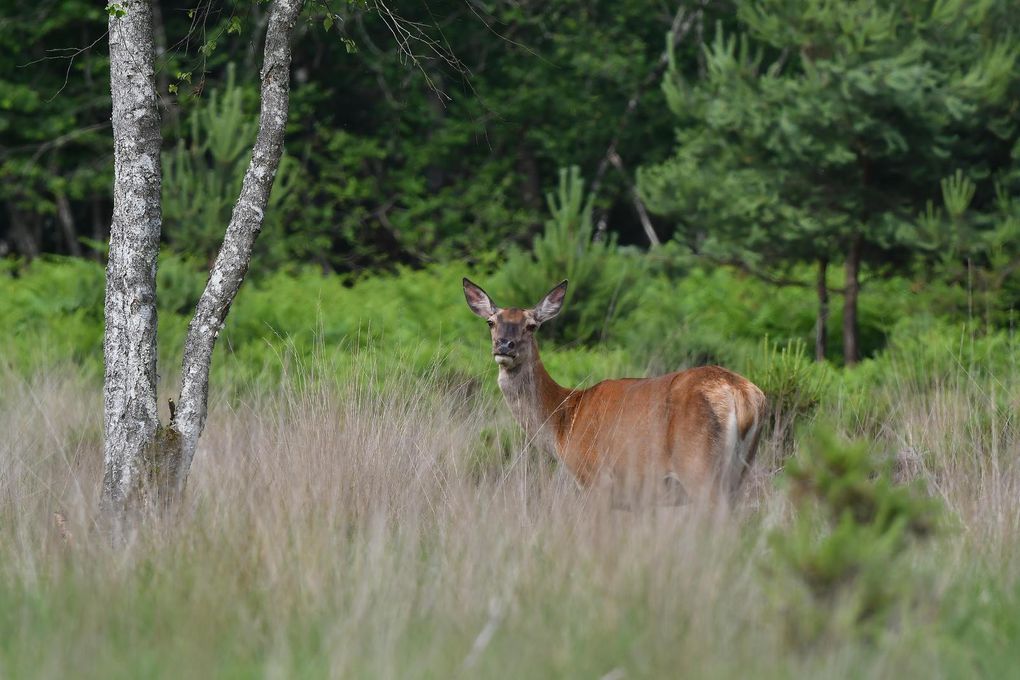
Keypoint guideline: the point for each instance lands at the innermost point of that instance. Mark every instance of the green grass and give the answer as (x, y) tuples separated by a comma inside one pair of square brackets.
[(337, 526), (362, 505)]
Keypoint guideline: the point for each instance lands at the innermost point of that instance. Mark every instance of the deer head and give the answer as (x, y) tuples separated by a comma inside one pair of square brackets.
[(513, 329)]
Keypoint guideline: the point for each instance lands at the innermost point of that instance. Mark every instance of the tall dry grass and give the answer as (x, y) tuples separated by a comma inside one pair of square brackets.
[(365, 529)]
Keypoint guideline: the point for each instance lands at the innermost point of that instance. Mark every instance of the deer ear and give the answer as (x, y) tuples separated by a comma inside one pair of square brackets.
[(478, 300), (551, 304)]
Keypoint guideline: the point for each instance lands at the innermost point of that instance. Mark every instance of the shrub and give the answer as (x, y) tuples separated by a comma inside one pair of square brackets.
[(793, 383), (847, 544), (603, 278), (52, 312), (201, 179)]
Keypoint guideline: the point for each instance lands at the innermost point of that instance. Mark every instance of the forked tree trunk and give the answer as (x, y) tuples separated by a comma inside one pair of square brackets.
[(822, 323), (147, 464), (235, 254), (851, 352), (129, 343)]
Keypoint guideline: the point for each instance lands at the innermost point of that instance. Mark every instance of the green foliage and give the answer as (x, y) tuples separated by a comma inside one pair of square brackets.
[(820, 129), (978, 250), (844, 479), (52, 315), (850, 538), (413, 321), (412, 162), (679, 318), (799, 125), (792, 381), (54, 122), (603, 280), (202, 177)]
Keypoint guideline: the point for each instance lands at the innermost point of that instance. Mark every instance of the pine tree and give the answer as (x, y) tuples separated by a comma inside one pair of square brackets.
[(821, 130)]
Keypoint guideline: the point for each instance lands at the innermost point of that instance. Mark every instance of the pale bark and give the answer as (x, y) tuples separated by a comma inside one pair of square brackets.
[(129, 344), (147, 464), (245, 224), (639, 205)]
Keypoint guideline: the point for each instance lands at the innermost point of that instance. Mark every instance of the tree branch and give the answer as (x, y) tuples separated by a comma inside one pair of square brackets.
[(232, 262), (639, 205), (679, 29), (740, 265)]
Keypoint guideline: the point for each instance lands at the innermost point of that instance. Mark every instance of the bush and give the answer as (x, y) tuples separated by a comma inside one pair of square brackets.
[(604, 280), (793, 383), (203, 177), (693, 315), (847, 544), (52, 312)]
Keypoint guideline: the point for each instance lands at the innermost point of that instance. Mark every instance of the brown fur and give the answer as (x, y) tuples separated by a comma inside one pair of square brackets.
[(697, 428), (633, 432)]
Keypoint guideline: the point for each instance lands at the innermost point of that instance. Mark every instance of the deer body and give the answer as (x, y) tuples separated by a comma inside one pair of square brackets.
[(689, 434)]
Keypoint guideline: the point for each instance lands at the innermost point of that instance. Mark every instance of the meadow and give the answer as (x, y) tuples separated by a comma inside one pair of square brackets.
[(362, 504), (713, 179)]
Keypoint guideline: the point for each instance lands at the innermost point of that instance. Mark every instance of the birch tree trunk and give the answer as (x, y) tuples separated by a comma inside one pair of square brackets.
[(129, 343), (147, 464), (245, 224)]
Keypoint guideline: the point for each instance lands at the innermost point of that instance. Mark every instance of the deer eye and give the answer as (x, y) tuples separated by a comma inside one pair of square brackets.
[(530, 327), (491, 323)]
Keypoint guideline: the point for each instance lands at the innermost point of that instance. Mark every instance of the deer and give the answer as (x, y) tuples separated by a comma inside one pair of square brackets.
[(684, 437)]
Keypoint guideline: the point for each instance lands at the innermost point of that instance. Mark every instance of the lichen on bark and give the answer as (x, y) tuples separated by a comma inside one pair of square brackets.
[(129, 342), (147, 464), (231, 263)]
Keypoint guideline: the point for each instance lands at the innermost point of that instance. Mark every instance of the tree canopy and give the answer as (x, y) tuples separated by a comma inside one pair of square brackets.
[(439, 143), (772, 135), (822, 130)]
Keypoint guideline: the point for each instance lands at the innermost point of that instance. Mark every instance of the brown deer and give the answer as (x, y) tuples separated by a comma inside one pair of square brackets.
[(682, 436)]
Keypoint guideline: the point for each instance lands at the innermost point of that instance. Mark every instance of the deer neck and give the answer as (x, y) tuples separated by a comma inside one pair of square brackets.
[(537, 402)]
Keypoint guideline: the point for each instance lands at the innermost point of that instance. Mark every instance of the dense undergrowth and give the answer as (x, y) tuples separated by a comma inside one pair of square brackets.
[(363, 506), (679, 315), (378, 521)]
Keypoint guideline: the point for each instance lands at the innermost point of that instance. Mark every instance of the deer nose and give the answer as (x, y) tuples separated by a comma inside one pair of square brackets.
[(504, 345)]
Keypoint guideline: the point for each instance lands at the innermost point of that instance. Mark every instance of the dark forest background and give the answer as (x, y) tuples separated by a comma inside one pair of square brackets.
[(819, 146)]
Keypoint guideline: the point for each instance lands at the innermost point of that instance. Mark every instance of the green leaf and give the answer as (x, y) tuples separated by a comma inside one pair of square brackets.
[(957, 193)]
